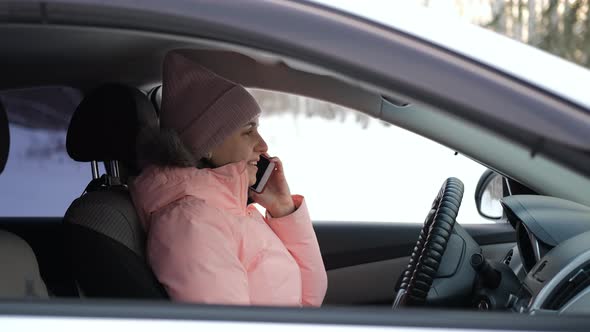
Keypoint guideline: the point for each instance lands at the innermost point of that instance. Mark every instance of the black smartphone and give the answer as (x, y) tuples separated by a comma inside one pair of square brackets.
[(265, 168)]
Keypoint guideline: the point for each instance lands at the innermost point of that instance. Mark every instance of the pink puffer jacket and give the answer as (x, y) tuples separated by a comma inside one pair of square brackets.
[(206, 245)]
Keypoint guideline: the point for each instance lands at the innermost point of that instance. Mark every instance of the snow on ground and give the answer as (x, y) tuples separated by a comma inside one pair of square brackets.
[(382, 173)]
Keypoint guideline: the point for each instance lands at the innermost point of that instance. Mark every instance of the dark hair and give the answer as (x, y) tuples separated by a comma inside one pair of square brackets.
[(163, 147), (204, 163)]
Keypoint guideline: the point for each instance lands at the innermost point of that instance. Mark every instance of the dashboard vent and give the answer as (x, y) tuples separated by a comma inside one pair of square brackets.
[(508, 257), (573, 284)]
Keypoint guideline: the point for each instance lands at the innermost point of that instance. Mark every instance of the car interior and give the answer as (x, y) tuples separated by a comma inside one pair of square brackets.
[(97, 249), (23, 278), (102, 225)]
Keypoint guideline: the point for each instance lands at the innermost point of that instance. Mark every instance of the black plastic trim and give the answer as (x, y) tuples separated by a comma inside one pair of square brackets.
[(348, 244)]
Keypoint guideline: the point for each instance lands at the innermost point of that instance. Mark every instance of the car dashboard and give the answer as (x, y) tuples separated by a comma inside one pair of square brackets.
[(553, 244)]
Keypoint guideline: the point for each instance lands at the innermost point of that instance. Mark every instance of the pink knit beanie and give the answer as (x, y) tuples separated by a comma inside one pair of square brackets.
[(202, 107)]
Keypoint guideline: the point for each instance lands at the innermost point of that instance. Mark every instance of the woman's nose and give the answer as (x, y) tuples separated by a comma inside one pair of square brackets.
[(261, 146)]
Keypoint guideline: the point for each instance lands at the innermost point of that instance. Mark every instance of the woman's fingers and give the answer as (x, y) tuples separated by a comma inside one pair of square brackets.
[(278, 164), (276, 197)]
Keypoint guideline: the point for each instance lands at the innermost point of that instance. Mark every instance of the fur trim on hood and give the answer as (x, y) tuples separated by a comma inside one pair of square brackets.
[(163, 147)]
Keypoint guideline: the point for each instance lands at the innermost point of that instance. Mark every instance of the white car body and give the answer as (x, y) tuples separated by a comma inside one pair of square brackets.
[(522, 61)]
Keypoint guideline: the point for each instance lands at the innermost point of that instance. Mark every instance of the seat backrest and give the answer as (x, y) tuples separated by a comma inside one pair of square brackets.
[(19, 271), (104, 233)]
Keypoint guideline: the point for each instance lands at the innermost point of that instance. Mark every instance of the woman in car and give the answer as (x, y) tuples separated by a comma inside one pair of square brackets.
[(206, 243)]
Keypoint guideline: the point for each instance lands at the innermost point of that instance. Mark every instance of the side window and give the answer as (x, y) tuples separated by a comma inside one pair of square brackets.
[(40, 179), (351, 167)]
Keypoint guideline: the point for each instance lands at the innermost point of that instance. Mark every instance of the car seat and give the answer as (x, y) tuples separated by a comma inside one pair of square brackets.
[(105, 237), (19, 270)]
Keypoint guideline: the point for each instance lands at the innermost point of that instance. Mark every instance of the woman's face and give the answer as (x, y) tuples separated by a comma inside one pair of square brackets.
[(244, 144)]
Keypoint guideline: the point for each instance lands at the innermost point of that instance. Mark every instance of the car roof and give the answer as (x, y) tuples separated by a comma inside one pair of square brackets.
[(556, 75)]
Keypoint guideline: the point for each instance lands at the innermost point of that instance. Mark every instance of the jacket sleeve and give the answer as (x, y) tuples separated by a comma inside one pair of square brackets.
[(195, 256), (296, 232)]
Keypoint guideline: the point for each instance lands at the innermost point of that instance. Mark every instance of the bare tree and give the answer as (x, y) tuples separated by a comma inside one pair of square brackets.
[(561, 27), (532, 12), (276, 103)]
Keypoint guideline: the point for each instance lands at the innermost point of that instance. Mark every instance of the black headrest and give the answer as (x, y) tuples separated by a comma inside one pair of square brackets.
[(4, 137), (106, 123)]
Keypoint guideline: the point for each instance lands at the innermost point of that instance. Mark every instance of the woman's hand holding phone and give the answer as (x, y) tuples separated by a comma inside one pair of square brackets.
[(276, 195)]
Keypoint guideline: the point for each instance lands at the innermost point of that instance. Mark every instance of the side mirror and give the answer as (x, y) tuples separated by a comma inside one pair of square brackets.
[(488, 193)]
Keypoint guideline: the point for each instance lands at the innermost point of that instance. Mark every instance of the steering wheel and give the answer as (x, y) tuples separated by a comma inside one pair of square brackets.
[(432, 242)]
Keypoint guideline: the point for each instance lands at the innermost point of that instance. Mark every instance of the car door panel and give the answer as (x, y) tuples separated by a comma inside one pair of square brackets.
[(374, 283), (365, 260), (369, 283), (347, 244)]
